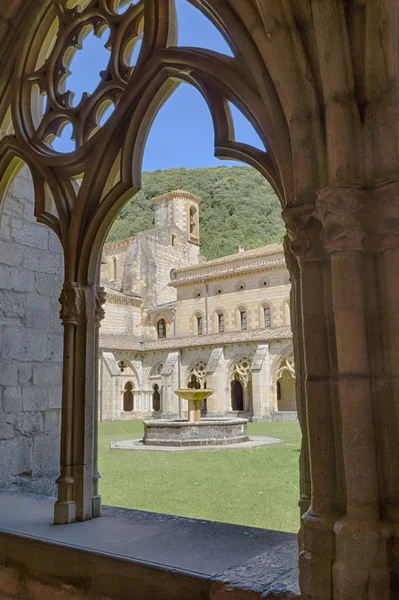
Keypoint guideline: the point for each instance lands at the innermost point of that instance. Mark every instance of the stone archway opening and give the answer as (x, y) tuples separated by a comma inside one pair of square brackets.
[(156, 398), (286, 396), (237, 395), (128, 397)]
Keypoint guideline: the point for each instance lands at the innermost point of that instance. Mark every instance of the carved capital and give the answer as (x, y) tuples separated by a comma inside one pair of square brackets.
[(386, 215), (303, 233), (100, 296), (339, 210), (70, 305)]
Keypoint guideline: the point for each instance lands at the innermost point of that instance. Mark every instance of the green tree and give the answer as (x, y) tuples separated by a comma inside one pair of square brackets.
[(238, 207)]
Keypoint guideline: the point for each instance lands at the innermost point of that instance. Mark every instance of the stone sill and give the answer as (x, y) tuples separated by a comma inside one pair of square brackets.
[(134, 554)]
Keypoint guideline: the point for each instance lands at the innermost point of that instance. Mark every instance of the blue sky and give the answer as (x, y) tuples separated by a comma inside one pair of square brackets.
[(182, 133)]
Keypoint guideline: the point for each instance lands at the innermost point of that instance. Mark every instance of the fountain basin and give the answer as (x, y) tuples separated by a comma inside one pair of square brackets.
[(194, 399), (207, 432)]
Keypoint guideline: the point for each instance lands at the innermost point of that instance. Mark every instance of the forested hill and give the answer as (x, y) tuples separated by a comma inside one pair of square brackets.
[(238, 207)]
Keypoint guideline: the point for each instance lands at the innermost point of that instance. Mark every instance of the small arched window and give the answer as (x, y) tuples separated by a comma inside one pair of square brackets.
[(156, 398), (161, 328), (128, 397), (221, 322), (278, 386), (267, 316), (243, 319), (200, 328), (193, 222)]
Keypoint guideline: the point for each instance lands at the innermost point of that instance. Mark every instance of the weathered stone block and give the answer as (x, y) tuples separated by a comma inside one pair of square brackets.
[(47, 374), (41, 260), (55, 321), (22, 187), (29, 423), (12, 304), (55, 349), (31, 234), (46, 455), (11, 254), (6, 431), (48, 285), (37, 311), (54, 243), (8, 373), (24, 345), (35, 398), (55, 396), (16, 459), (25, 373), (51, 422), (12, 399), (15, 279)]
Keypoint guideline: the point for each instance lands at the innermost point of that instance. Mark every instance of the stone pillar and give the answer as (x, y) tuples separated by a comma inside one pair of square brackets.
[(216, 380), (81, 313), (317, 538), (170, 382), (361, 568), (261, 376), (386, 381), (300, 390)]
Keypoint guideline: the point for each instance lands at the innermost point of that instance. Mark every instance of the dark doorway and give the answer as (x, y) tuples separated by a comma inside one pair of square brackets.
[(128, 398), (237, 395), (156, 398)]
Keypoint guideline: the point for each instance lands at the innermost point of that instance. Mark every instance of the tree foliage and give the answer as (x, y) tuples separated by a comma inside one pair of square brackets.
[(238, 207)]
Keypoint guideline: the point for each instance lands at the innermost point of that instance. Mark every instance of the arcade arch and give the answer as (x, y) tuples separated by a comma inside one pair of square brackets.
[(341, 240)]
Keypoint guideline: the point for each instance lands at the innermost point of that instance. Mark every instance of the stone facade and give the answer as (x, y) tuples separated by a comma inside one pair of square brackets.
[(170, 316), (31, 344)]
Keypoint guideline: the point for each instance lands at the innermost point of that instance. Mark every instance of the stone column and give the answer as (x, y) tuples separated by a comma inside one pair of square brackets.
[(99, 314), (386, 380), (260, 384), (360, 569), (300, 389), (77, 484), (317, 538)]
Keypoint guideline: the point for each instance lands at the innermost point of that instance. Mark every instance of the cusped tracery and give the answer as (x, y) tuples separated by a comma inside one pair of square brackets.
[(82, 66)]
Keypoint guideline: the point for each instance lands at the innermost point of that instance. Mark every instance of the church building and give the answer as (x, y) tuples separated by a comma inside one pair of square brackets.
[(173, 320)]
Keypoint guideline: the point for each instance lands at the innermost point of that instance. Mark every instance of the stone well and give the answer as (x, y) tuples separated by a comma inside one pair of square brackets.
[(207, 432)]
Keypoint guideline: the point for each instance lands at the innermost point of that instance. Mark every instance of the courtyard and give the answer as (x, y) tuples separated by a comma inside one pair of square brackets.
[(256, 487)]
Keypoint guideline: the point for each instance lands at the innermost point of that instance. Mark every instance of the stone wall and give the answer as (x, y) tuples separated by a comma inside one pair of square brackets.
[(121, 320), (31, 264), (258, 290)]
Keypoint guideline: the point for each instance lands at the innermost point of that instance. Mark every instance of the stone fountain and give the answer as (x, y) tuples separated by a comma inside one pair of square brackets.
[(195, 431)]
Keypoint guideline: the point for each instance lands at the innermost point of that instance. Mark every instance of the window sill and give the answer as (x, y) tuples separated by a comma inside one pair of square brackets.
[(128, 553)]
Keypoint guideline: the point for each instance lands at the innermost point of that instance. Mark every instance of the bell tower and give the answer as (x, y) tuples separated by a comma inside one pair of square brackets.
[(181, 209)]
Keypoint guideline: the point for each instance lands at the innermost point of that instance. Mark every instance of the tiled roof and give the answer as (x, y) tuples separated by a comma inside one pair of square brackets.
[(227, 272), (255, 253), (116, 297), (161, 307), (220, 339)]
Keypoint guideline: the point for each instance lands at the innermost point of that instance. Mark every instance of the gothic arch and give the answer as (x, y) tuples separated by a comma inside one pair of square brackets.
[(197, 369), (129, 371)]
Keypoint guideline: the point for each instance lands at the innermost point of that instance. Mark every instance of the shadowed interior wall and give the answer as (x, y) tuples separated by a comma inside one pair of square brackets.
[(31, 267)]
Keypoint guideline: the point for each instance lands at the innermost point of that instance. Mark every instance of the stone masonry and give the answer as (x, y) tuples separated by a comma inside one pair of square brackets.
[(30, 345)]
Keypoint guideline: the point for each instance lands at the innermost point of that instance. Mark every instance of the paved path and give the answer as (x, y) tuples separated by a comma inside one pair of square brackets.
[(255, 441)]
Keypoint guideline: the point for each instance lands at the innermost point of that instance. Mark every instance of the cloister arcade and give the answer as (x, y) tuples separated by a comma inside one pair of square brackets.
[(319, 83)]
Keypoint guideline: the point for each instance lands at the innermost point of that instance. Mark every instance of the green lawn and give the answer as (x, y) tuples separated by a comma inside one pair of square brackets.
[(251, 487)]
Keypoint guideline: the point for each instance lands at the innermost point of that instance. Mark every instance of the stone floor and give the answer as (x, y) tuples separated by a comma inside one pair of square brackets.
[(137, 444), (203, 557)]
